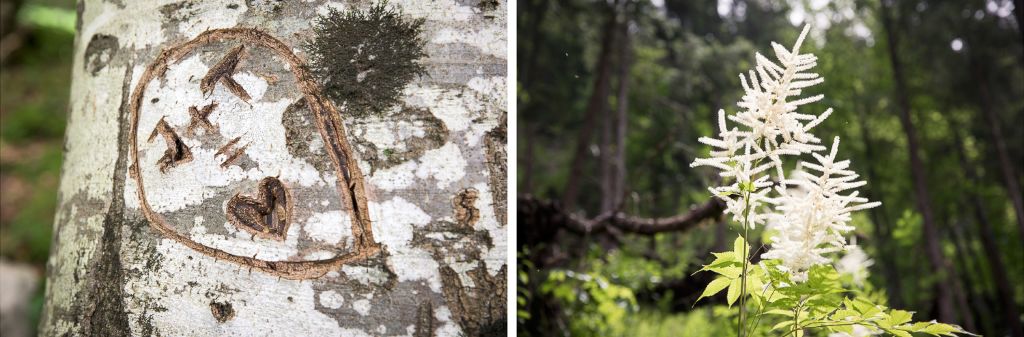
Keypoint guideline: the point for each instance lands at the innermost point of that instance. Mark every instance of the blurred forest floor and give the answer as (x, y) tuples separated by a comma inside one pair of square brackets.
[(38, 37)]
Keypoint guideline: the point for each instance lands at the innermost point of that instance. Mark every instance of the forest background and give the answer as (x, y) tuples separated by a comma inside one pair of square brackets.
[(35, 81), (613, 223)]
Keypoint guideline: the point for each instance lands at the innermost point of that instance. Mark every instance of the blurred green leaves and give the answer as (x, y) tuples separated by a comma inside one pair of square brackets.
[(599, 306), (35, 85), (47, 17)]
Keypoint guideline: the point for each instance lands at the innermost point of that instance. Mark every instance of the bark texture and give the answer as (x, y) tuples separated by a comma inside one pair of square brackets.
[(264, 208)]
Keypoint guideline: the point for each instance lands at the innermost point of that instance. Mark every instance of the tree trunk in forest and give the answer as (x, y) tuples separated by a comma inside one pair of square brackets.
[(529, 160), (887, 256), (944, 290), (267, 206), (1004, 289), (1018, 9), (595, 106), (622, 118), (607, 156), (527, 74), (613, 131), (996, 137), (963, 254)]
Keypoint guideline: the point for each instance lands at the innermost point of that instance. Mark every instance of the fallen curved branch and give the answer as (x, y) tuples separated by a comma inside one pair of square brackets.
[(548, 215)]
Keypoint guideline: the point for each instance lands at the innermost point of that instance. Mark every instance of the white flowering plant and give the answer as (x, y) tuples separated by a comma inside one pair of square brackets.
[(806, 213)]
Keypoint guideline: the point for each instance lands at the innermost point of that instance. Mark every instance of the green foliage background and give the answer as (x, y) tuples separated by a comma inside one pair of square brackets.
[(34, 90)]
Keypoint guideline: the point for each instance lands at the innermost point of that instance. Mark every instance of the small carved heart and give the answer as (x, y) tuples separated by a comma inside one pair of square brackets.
[(266, 215)]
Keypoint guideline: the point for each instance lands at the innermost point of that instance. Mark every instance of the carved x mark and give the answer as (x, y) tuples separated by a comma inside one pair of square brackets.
[(177, 152), (201, 118), (222, 72)]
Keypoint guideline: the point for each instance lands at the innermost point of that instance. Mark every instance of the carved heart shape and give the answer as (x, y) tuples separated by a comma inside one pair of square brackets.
[(266, 215)]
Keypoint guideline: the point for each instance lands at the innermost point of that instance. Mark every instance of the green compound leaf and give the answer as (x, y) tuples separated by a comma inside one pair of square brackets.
[(715, 287), (734, 291), (740, 248), (732, 272), (787, 313), (782, 325)]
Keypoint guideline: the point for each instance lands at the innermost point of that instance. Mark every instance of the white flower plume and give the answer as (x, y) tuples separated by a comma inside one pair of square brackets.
[(771, 128), (811, 219), (855, 263)]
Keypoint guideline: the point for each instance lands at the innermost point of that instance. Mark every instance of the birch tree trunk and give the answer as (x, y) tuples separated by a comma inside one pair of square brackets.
[(265, 206)]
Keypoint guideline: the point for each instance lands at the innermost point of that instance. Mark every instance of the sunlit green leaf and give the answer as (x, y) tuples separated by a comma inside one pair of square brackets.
[(734, 290), (714, 287)]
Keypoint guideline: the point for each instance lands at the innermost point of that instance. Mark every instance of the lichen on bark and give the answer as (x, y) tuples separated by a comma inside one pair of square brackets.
[(365, 58)]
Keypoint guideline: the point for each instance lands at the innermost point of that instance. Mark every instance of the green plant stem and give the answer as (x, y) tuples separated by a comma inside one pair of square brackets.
[(743, 277), (760, 313), (796, 320)]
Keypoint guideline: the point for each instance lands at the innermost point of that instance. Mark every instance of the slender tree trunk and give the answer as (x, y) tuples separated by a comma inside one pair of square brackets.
[(613, 135), (595, 106), (265, 207), (622, 119), (1006, 165), (889, 269), (1004, 289), (529, 159), (964, 254), (527, 74), (944, 291), (969, 278), (1018, 9), (607, 159)]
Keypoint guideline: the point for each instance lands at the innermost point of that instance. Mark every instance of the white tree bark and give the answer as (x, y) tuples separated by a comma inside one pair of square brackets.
[(200, 197)]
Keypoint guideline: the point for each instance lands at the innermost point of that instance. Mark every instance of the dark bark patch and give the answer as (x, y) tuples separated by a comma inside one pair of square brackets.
[(170, 11), (297, 136), (98, 53), (79, 9), (435, 134), (466, 213), (424, 320), (105, 314), (497, 165), (452, 232), (363, 59), (488, 7), (479, 308), (145, 323), (222, 311), (266, 6)]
